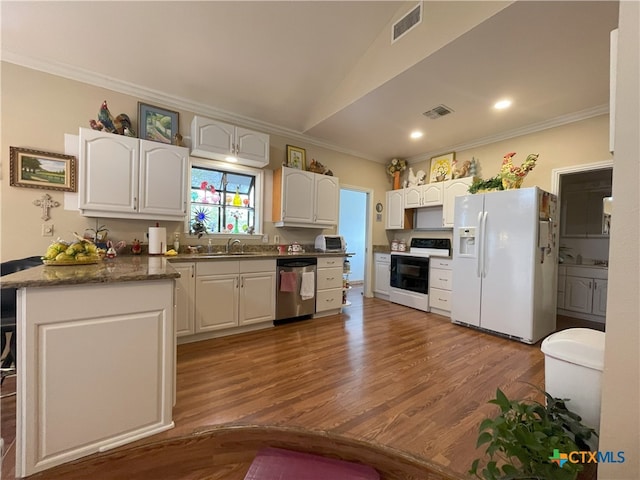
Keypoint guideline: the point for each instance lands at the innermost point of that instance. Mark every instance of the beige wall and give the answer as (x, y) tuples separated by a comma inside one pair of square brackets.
[(573, 144), (38, 109)]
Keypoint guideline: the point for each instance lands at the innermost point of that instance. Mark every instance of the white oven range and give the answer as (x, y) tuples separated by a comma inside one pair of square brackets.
[(409, 278)]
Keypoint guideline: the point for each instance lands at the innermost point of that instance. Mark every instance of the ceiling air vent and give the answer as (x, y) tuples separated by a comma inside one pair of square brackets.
[(437, 112), (406, 23)]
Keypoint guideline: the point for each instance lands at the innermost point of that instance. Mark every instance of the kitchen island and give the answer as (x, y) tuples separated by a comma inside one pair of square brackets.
[(96, 357)]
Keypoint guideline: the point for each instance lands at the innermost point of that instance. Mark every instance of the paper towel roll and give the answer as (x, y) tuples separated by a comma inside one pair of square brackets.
[(157, 240)]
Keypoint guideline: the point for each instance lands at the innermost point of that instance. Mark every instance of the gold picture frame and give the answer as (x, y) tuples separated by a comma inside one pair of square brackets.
[(441, 167), (37, 169), (296, 157)]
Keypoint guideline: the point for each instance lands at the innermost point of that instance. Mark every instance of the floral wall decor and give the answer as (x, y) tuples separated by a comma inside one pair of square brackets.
[(441, 167)]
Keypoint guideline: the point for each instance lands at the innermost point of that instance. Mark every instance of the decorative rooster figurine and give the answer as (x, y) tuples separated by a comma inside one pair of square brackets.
[(120, 125), (513, 176)]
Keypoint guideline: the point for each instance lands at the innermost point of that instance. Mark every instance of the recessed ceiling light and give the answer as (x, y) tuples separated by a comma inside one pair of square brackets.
[(416, 134), (502, 104)]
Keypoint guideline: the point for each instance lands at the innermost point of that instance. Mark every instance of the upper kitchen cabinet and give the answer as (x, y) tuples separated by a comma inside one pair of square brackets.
[(427, 195), (219, 141), (582, 197), (124, 177), (304, 199), (450, 190), (397, 217)]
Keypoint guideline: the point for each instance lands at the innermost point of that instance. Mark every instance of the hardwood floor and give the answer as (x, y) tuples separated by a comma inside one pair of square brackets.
[(379, 373)]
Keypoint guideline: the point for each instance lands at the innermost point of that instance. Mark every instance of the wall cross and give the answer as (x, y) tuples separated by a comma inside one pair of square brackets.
[(46, 202)]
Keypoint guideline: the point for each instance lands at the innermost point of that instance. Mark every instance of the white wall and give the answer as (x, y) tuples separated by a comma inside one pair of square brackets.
[(620, 419)]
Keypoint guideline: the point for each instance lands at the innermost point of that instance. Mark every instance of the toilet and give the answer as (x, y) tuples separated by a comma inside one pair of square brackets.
[(573, 364)]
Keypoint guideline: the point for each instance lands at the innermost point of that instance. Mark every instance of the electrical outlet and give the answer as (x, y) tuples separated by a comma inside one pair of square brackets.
[(265, 238), (276, 239), (47, 230)]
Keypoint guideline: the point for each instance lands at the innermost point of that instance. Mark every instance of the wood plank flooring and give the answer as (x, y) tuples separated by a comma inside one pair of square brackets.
[(378, 373)]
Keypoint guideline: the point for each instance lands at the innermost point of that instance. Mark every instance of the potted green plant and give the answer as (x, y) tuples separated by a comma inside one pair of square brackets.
[(525, 436), (479, 185)]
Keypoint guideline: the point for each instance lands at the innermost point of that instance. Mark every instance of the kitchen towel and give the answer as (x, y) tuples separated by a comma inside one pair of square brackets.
[(308, 285), (288, 281)]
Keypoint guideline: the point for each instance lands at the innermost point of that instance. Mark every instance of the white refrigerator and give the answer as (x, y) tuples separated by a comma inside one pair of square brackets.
[(505, 263)]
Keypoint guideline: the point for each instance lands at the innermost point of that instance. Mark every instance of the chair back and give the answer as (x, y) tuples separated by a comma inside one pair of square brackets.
[(8, 295)]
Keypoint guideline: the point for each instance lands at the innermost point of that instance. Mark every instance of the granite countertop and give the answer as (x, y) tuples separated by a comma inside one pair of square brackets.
[(132, 268), (120, 269)]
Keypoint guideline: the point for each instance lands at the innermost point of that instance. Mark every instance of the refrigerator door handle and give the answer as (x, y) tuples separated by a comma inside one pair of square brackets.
[(484, 243), (479, 247)]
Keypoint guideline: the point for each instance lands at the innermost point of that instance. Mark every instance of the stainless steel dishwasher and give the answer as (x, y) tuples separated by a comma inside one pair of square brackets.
[(289, 277)]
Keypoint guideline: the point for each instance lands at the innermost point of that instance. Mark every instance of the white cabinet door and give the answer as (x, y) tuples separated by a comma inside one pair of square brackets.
[(211, 138), (432, 194), (298, 189), (412, 197), (252, 147), (163, 179), (257, 297), (216, 302), (108, 172), (395, 210), (185, 299), (578, 294), (327, 198), (451, 190), (600, 296), (382, 262)]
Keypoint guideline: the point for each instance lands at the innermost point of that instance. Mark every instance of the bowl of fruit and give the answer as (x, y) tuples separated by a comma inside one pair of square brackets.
[(79, 252)]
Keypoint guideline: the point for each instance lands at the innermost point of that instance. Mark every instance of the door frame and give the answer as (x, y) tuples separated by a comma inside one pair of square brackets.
[(556, 173), (368, 259)]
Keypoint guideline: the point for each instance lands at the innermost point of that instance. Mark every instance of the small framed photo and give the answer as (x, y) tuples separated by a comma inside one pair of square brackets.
[(441, 167), (157, 124), (37, 169), (296, 157)]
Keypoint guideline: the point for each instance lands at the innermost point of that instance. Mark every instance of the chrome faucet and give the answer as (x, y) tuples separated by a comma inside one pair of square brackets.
[(231, 242)]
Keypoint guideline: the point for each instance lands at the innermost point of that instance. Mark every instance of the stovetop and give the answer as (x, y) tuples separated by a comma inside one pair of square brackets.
[(428, 247)]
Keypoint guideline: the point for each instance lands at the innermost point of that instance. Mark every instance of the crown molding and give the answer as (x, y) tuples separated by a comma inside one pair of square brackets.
[(517, 132), (171, 101), (180, 103)]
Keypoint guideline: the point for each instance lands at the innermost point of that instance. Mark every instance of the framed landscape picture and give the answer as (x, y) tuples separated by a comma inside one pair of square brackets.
[(156, 123), (38, 169), (296, 157), (441, 167)]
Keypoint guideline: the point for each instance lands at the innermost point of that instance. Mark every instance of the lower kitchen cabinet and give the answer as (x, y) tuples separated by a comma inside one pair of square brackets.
[(382, 265), (329, 285), (234, 293), (440, 279), (585, 293), (185, 296)]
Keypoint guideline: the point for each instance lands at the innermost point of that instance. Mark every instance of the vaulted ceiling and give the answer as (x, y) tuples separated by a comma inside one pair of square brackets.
[(328, 71)]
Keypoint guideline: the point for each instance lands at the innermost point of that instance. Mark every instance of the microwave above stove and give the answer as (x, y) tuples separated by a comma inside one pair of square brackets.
[(330, 243)]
